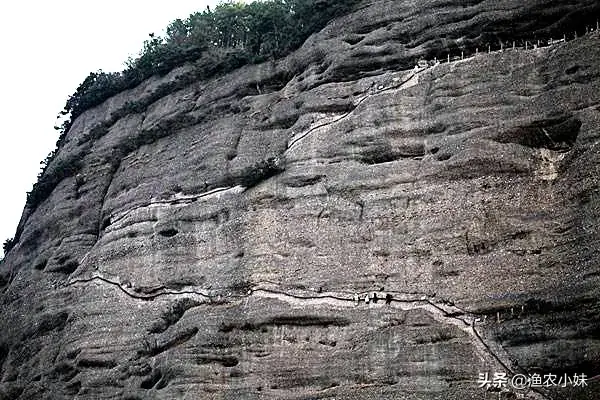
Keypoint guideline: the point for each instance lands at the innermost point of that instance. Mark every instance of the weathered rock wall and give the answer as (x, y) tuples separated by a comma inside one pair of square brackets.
[(212, 245)]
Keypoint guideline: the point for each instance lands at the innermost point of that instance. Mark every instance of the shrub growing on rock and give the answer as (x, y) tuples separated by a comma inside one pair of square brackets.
[(8, 245), (218, 41)]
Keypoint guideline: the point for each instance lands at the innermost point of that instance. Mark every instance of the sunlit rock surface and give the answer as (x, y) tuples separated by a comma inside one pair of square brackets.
[(214, 245)]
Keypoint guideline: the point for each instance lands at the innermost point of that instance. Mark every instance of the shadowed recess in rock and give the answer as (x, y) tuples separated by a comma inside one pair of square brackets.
[(300, 320), (153, 345), (553, 134)]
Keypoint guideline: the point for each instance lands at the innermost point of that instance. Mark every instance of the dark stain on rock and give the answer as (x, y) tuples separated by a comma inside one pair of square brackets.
[(245, 326), (481, 247), (66, 267), (520, 235), (540, 305), (378, 151), (239, 254), (241, 286), (381, 253), (287, 320), (477, 245), (148, 290), (447, 273), (443, 156), (105, 223), (329, 343), (378, 155), (271, 83), (281, 122), (586, 195), (170, 232), (63, 371), (353, 39), (572, 70), (371, 26), (304, 180), (4, 351), (226, 361), (154, 378), (335, 107), (152, 346), (96, 363), (71, 355), (179, 283), (559, 133), (435, 336), (41, 265)]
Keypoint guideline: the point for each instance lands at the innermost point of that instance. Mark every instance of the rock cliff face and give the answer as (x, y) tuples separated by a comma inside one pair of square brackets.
[(217, 233)]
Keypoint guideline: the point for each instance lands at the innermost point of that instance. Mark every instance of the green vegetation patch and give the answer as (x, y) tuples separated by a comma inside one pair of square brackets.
[(232, 35)]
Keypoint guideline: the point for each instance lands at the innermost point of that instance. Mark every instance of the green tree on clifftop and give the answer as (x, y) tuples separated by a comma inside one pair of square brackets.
[(231, 35)]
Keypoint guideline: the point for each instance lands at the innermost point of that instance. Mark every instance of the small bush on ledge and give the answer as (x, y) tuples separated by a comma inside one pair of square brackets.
[(258, 31), (8, 245), (232, 35), (48, 180)]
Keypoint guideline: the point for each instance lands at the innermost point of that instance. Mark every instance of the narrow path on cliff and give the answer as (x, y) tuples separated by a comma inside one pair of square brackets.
[(183, 199), (412, 79), (442, 312), (406, 82)]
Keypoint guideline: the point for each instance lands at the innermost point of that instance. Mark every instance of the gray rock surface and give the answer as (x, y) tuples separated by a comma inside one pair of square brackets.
[(211, 246)]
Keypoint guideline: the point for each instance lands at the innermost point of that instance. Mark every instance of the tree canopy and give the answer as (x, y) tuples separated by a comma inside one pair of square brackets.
[(257, 31), (231, 35)]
